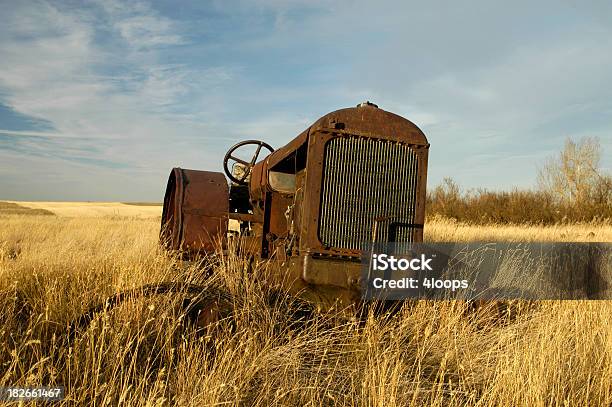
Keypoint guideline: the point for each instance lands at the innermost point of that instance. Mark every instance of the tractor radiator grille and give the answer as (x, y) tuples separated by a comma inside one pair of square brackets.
[(366, 179)]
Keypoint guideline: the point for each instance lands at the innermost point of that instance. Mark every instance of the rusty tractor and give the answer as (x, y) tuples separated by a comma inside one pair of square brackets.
[(356, 175)]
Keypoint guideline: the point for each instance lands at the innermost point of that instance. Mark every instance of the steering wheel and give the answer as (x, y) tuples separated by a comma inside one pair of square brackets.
[(248, 165)]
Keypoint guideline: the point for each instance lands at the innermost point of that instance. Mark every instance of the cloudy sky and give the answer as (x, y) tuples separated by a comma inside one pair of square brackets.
[(98, 100)]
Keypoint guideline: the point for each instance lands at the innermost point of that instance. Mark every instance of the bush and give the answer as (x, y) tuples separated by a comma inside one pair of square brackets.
[(511, 207)]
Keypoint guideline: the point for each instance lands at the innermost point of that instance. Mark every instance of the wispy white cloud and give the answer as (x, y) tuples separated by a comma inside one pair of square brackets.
[(139, 25), (116, 97), (142, 88), (42, 134)]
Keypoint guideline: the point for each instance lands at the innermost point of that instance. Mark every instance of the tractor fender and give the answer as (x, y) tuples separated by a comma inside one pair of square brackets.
[(195, 214)]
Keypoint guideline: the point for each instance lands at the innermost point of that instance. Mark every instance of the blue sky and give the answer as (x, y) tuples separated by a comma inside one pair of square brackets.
[(98, 100)]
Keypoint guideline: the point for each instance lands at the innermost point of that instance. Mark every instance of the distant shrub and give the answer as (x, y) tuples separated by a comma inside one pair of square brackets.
[(511, 207), (571, 188)]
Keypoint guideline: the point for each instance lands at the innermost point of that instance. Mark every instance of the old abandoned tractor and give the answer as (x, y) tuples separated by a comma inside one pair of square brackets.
[(355, 176)]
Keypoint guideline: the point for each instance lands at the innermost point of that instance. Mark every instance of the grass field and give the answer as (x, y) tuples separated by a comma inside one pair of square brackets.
[(90, 209), (52, 268)]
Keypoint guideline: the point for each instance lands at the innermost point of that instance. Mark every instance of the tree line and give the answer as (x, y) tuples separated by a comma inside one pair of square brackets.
[(571, 187)]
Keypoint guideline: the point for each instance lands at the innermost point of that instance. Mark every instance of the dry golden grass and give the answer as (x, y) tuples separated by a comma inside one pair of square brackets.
[(445, 230), (12, 208), (432, 353), (95, 209)]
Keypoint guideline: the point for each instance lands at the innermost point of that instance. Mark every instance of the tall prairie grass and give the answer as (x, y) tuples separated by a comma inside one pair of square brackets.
[(553, 353)]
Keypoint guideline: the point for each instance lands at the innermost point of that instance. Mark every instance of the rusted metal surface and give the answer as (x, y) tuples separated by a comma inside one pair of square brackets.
[(284, 152), (371, 121), (312, 202), (195, 214), (372, 191), (258, 184), (346, 274)]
